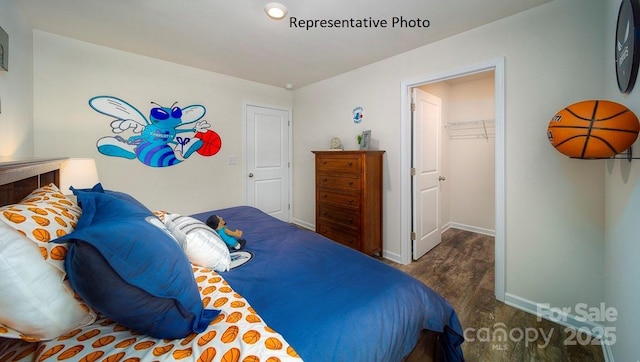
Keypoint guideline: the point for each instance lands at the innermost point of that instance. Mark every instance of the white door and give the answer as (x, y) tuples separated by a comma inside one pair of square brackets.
[(267, 166), (426, 162)]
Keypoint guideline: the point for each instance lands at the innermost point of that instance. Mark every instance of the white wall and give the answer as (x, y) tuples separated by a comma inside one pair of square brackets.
[(472, 160), (16, 85), (554, 225), (622, 215), (68, 73), (468, 162)]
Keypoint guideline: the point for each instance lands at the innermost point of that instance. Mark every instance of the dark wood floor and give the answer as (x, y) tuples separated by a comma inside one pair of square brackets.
[(461, 269)]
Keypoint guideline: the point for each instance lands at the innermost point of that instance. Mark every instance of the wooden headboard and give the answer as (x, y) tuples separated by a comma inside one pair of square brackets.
[(18, 177)]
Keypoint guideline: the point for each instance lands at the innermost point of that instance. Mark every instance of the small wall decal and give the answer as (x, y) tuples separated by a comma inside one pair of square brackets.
[(169, 136), (358, 114)]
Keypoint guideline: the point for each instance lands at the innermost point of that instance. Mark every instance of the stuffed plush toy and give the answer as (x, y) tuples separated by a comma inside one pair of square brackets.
[(233, 238)]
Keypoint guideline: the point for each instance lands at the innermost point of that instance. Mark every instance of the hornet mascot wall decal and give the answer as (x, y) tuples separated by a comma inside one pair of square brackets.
[(155, 141)]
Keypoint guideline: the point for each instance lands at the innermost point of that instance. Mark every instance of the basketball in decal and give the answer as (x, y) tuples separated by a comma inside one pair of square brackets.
[(212, 143), (593, 129)]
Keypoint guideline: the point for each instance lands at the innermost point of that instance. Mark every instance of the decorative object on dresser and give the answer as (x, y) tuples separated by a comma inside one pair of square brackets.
[(4, 50), (366, 138), (336, 144), (349, 198)]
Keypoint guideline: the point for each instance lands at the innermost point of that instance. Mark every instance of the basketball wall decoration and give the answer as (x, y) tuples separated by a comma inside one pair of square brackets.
[(211, 142), (593, 129)]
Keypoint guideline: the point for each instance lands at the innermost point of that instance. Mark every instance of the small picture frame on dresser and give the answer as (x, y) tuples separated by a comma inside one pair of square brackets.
[(4, 50), (366, 139)]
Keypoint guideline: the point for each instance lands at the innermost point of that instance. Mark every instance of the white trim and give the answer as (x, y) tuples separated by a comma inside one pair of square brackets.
[(560, 317), (500, 182), (405, 171), (607, 352), (395, 257), (471, 228), (405, 162), (304, 224)]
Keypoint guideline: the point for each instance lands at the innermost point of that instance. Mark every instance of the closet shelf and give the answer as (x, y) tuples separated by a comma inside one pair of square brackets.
[(484, 128)]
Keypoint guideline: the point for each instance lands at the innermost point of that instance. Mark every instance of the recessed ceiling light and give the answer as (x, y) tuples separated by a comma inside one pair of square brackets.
[(275, 10)]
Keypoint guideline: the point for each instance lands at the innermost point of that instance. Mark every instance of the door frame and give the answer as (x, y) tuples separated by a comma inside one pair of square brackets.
[(497, 65), (245, 171)]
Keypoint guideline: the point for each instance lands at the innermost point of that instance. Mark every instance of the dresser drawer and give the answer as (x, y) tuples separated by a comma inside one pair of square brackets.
[(346, 216), (327, 181), (342, 234), (342, 199), (339, 164)]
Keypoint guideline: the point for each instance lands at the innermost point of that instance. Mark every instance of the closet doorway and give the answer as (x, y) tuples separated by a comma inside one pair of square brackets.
[(470, 168)]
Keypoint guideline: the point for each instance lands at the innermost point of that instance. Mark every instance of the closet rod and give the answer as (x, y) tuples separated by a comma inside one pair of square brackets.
[(479, 128)]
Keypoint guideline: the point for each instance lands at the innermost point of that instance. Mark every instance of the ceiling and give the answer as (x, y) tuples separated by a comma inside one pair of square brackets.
[(235, 37)]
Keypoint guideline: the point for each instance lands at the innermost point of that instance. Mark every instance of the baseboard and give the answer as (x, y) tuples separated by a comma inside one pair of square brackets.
[(563, 318), (392, 256), (470, 228), (608, 354), (397, 257), (304, 224)]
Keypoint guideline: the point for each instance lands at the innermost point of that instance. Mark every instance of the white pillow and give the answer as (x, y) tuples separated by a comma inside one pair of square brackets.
[(202, 245), (45, 214), (33, 299)]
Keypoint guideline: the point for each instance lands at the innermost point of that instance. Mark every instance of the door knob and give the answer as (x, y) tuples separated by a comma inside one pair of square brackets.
[(441, 178), (250, 174)]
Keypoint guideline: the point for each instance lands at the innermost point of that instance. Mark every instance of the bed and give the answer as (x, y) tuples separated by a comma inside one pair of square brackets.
[(300, 296)]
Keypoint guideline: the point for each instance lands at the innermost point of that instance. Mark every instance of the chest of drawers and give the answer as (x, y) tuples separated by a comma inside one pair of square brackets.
[(349, 198)]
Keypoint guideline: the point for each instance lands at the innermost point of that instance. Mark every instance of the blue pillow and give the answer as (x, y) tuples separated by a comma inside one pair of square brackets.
[(122, 261), (98, 188)]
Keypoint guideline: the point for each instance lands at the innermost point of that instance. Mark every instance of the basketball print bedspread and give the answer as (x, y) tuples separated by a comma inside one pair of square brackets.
[(237, 334)]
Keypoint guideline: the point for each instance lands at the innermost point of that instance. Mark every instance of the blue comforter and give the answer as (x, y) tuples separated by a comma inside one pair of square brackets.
[(332, 303)]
